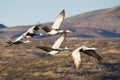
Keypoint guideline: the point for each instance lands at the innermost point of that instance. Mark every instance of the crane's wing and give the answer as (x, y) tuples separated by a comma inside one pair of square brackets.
[(59, 20), (28, 33), (47, 49), (76, 58), (92, 53), (44, 27), (59, 40), (33, 30)]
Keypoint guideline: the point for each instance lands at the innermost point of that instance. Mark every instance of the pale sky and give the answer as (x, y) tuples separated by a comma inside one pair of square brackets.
[(28, 12)]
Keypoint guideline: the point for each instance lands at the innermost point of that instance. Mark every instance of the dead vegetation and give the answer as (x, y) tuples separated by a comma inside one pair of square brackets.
[(26, 62)]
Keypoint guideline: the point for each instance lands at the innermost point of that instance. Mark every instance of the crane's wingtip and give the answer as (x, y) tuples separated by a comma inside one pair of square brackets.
[(62, 12)]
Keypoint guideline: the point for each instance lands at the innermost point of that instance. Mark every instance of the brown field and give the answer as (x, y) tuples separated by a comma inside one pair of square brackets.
[(26, 62)]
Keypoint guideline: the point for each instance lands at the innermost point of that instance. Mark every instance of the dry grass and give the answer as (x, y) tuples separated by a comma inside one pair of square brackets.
[(25, 62)]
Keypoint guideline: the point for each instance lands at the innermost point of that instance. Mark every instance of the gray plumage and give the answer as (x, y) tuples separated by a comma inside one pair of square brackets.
[(31, 32), (56, 46), (76, 54)]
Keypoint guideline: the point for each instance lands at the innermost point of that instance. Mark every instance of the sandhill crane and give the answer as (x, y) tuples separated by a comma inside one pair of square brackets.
[(55, 28), (76, 54), (31, 32), (56, 46)]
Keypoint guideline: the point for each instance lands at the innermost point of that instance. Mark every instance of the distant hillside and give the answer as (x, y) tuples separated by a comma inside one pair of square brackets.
[(99, 23), (2, 26), (94, 24)]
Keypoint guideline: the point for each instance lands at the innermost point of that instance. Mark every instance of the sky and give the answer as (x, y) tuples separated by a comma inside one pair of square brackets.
[(29, 12)]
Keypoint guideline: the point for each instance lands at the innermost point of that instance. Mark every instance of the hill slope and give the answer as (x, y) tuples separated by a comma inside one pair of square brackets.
[(2, 26), (99, 23)]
